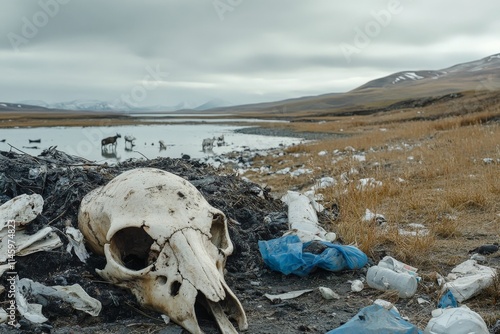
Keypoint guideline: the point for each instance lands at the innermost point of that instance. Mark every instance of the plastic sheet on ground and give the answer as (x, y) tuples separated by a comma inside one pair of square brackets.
[(302, 217), (375, 319), (447, 300), (76, 243), (289, 255), (72, 294), (468, 279)]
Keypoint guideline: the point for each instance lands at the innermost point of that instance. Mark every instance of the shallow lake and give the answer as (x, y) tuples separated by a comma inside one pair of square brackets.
[(179, 138)]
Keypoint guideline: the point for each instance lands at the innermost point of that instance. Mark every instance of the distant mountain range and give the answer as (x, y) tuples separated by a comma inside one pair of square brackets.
[(478, 75), (97, 105), (473, 69)]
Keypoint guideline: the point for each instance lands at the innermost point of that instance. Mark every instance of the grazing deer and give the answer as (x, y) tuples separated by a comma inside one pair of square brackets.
[(129, 139), (110, 140), (220, 140), (207, 144)]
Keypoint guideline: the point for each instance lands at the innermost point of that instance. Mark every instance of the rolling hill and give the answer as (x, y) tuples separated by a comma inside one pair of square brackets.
[(479, 75)]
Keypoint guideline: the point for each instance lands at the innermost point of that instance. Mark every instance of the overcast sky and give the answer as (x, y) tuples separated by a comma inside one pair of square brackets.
[(168, 51)]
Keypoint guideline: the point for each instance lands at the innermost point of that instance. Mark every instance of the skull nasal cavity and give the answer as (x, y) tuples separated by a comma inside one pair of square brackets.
[(132, 245), (174, 288)]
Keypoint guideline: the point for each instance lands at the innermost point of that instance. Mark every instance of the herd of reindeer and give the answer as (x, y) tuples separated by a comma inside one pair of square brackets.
[(108, 145)]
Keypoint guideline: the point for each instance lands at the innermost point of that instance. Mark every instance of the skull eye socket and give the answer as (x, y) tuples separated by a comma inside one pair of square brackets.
[(133, 246), (217, 230)]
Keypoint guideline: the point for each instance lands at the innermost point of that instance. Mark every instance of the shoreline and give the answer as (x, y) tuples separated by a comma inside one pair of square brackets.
[(283, 132)]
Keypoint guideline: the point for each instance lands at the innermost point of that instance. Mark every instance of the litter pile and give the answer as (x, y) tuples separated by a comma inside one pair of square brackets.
[(63, 180)]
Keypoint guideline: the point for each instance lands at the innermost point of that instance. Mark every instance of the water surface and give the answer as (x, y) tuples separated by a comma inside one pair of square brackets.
[(179, 138)]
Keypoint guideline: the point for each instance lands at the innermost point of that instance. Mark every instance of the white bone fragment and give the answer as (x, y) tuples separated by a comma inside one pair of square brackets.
[(22, 209), (43, 240), (287, 295)]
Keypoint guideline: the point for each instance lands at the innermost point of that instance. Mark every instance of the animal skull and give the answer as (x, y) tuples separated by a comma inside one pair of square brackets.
[(165, 243)]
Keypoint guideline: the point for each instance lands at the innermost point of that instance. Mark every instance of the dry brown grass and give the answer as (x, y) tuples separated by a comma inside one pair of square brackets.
[(432, 173)]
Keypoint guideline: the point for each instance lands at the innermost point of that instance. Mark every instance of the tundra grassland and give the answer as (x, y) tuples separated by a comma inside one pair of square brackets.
[(433, 173)]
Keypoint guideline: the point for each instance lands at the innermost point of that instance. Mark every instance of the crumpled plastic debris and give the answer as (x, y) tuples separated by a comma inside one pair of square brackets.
[(76, 243), (357, 285), (289, 255), (374, 217), (375, 319), (328, 293), (73, 294), (468, 279), (303, 218), (447, 300)]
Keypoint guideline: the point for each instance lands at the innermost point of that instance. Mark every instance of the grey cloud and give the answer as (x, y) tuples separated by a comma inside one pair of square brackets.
[(100, 49)]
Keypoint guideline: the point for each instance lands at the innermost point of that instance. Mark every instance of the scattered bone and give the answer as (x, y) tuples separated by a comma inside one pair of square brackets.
[(22, 210)]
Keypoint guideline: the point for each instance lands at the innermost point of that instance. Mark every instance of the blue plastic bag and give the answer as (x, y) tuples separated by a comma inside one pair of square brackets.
[(375, 319), (447, 300), (287, 255)]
